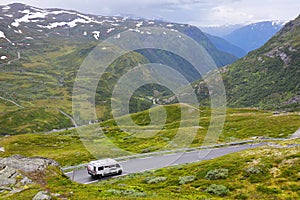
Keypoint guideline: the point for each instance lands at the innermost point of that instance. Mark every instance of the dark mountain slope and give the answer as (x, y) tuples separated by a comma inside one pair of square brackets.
[(255, 35), (226, 46)]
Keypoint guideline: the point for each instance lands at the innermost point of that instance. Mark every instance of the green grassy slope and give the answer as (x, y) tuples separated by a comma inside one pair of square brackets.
[(67, 148)]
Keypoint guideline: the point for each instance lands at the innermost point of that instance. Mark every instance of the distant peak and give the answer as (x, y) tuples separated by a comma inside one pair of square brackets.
[(17, 5)]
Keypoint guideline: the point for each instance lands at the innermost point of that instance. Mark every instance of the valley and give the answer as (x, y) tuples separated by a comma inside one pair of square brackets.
[(47, 135), (67, 147)]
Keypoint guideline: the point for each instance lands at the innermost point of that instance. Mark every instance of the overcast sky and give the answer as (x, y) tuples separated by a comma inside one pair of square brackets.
[(196, 12)]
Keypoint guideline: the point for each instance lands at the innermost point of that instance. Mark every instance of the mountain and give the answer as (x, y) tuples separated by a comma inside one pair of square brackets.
[(221, 30), (22, 22), (42, 49), (267, 77), (253, 36), (226, 46)]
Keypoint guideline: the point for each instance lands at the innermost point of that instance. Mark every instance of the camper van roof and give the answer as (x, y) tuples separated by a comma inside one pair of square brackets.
[(107, 161)]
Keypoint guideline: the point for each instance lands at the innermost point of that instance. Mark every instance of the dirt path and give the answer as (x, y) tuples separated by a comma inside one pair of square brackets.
[(11, 101), (13, 60), (18, 58), (72, 120)]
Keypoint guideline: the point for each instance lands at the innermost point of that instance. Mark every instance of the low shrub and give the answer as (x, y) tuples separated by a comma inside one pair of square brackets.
[(186, 179), (254, 174), (156, 180), (127, 192), (254, 170), (219, 190), (217, 174)]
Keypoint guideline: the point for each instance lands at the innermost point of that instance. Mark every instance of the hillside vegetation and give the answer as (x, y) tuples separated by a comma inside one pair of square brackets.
[(67, 148), (262, 173), (267, 77), (42, 56)]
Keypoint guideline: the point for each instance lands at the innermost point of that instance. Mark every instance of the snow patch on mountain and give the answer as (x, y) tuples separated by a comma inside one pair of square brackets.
[(2, 35), (279, 23), (110, 30), (6, 8), (139, 24), (6, 15), (96, 34), (117, 36), (29, 17)]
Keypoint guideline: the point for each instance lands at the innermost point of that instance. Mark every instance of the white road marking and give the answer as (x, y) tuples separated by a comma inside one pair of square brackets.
[(173, 154), (91, 182), (146, 158), (191, 152)]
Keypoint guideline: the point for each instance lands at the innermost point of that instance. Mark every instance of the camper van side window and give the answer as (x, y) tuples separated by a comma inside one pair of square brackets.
[(94, 169), (100, 168)]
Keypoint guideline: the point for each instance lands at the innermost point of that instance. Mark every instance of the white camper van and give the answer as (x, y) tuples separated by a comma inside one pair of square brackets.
[(104, 167)]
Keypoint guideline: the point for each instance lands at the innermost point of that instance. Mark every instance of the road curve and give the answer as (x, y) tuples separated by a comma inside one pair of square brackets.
[(157, 162)]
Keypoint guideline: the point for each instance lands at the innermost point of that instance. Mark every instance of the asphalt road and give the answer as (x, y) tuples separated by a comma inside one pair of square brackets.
[(157, 162)]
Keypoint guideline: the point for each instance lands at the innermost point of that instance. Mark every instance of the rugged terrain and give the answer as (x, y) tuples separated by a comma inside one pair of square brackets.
[(18, 173), (42, 49), (267, 77)]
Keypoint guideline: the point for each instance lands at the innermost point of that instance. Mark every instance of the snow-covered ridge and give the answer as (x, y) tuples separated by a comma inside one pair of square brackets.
[(52, 18), (25, 19), (34, 14), (279, 22)]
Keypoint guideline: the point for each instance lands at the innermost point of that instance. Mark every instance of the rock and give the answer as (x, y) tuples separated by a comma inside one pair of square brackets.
[(26, 181), (8, 176), (3, 189), (15, 172), (16, 191), (42, 195), (28, 164)]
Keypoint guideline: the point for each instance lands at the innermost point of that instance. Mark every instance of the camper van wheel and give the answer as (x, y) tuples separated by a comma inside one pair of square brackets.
[(120, 172)]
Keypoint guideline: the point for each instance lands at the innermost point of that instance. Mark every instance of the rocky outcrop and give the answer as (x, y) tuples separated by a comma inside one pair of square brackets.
[(42, 195), (27, 164), (15, 171)]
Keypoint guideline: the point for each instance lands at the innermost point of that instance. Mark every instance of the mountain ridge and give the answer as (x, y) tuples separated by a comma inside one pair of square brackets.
[(42, 49), (268, 77), (253, 36), (226, 46)]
